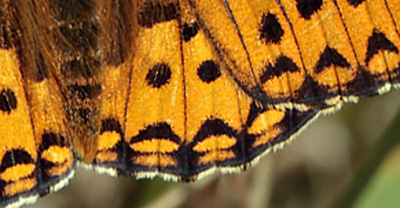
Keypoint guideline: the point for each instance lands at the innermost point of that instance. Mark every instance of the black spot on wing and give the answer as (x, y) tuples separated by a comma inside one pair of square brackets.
[(152, 13), (214, 127), (282, 65), (307, 8), (355, 3), (189, 31), (50, 139), (330, 57), (8, 100), (378, 42), (208, 71), (312, 93), (160, 130), (364, 84), (159, 75), (255, 110), (13, 157), (109, 125), (271, 30)]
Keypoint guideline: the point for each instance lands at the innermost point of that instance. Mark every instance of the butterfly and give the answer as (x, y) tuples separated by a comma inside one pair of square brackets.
[(177, 89)]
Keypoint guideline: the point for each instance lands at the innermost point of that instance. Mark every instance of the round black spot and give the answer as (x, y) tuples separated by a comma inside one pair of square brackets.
[(271, 30), (8, 101), (208, 71), (159, 75)]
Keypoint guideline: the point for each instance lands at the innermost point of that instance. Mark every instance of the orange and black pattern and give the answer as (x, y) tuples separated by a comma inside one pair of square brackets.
[(176, 88)]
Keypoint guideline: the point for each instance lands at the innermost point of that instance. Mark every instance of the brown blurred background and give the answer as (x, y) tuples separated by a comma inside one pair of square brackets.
[(319, 169)]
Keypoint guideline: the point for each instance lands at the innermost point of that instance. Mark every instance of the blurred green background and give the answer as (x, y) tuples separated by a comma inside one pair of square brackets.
[(328, 165)]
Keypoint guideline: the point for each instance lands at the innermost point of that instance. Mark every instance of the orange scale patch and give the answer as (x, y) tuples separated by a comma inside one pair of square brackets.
[(155, 145), (214, 156), (17, 171), (19, 186), (281, 86), (59, 170), (265, 121), (267, 136), (384, 61), (106, 156), (57, 154), (108, 140), (155, 160), (215, 143), (62, 157)]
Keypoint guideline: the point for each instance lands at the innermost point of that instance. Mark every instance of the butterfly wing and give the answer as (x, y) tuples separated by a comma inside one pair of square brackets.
[(35, 150), (174, 110), (176, 88), (306, 53)]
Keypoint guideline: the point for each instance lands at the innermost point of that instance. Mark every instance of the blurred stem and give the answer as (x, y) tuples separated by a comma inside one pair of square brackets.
[(370, 165)]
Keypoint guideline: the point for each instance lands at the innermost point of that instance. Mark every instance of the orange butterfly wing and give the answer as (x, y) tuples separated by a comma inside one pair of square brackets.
[(177, 88)]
